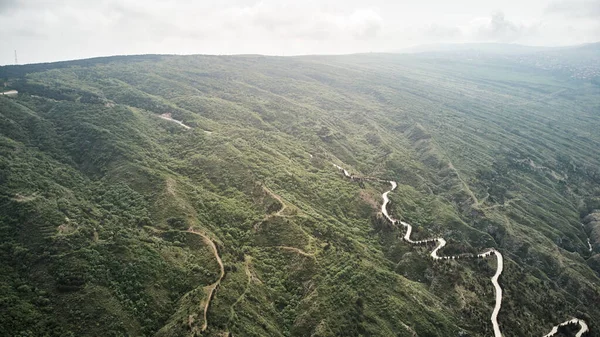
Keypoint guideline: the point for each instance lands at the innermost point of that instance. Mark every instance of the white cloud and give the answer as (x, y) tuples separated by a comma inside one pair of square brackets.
[(443, 33), (46, 30), (287, 20), (492, 28), (579, 8), (496, 28)]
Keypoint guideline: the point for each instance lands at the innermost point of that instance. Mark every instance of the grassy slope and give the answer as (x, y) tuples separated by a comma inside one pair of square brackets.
[(97, 190)]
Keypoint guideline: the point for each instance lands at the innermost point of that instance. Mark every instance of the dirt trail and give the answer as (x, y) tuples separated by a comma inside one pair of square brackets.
[(441, 242), (9, 93), (278, 198), (213, 287), (505, 204), (464, 184), (168, 117), (210, 289), (590, 248), (251, 278), (297, 250), (24, 198), (278, 213)]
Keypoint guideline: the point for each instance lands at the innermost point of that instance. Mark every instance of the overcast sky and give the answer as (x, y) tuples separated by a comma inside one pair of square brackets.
[(47, 30)]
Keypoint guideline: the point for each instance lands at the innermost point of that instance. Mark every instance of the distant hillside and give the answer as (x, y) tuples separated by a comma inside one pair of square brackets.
[(489, 48), (579, 62), (18, 71), (197, 196)]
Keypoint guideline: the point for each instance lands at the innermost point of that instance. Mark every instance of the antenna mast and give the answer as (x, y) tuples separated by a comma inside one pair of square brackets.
[(16, 62)]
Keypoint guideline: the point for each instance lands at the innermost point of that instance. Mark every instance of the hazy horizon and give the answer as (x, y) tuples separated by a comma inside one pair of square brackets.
[(46, 31)]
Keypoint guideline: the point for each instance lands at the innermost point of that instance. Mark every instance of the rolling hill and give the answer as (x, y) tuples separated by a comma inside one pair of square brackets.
[(169, 195)]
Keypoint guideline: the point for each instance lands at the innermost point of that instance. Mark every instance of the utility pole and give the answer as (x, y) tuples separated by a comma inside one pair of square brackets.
[(16, 62)]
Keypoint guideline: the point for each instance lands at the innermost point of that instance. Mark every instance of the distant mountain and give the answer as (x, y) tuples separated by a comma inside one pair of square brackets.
[(497, 48), (579, 61), (582, 62), (490, 48)]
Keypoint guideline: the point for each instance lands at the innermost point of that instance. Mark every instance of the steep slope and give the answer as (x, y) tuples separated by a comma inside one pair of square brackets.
[(101, 196), (441, 243)]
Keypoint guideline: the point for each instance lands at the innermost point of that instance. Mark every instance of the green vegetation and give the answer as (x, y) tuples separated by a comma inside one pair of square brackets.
[(97, 194)]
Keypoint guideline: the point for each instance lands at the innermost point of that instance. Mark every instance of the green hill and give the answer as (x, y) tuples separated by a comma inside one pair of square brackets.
[(109, 212)]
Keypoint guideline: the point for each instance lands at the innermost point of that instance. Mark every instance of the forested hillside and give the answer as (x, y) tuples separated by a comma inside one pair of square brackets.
[(115, 219)]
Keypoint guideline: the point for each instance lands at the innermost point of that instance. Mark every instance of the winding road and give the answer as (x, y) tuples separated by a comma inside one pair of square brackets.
[(441, 242), (582, 324)]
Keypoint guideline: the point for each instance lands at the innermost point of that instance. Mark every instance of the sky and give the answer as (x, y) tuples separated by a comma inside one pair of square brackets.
[(48, 30)]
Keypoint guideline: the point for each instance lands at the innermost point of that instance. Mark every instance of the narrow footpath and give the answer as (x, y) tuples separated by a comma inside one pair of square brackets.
[(213, 287)]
